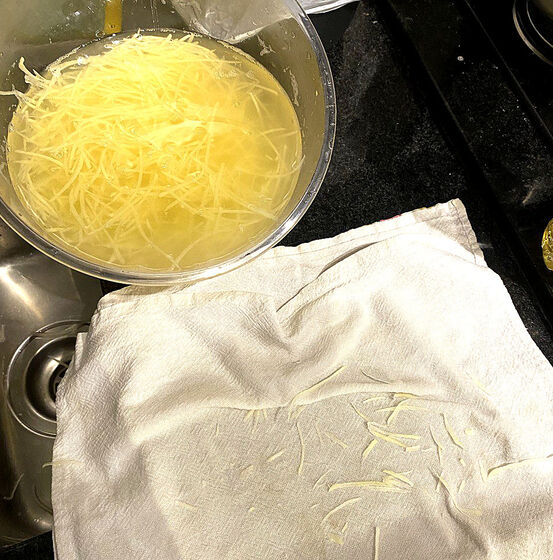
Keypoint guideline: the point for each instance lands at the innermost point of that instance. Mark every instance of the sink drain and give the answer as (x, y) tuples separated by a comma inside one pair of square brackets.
[(57, 376), (35, 372)]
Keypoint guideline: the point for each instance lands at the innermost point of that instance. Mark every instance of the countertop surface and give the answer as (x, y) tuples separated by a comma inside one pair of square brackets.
[(390, 157)]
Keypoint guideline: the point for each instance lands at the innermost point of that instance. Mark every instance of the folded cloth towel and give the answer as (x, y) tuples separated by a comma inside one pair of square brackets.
[(233, 21), (320, 6), (371, 395)]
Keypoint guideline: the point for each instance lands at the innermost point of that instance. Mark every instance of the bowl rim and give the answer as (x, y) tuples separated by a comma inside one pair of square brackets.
[(122, 276)]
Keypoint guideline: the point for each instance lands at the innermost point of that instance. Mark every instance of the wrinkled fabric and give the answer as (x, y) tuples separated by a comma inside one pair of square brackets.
[(238, 20), (220, 420), (320, 6)]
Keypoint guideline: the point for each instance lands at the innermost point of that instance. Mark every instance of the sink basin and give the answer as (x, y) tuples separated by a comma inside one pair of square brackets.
[(43, 305)]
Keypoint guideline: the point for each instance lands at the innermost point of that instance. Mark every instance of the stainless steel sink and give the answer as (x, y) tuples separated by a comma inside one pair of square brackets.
[(42, 306)]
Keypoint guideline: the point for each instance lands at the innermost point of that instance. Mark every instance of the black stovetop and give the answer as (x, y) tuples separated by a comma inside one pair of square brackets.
[(492, 95), (528, 68), (429, 110), (529, 61)]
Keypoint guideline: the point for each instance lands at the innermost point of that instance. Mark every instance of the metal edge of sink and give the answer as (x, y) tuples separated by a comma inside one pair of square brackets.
[(43, 305)]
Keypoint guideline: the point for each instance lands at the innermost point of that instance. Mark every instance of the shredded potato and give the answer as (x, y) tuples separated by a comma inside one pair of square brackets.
[(157, 152)]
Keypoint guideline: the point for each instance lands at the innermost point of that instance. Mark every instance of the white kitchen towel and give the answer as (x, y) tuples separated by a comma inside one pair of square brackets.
[(234, 21), (369, 396), (320, 6)]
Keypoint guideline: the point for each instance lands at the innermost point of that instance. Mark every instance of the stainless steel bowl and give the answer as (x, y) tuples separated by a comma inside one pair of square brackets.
[(275, 32)]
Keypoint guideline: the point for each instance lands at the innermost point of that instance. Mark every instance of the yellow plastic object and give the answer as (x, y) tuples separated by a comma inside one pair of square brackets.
[(547, 245), (159, 153), (113, 18)]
